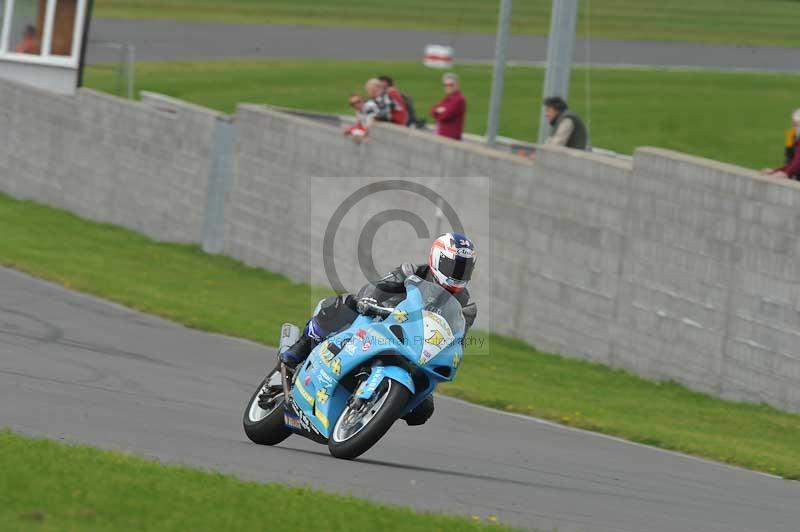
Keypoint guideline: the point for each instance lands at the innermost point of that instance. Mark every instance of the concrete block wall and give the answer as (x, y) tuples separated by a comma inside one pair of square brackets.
[(671, 266), (290, 174), (679, 263), (134, 164), (574, 216), (711, 280), (267, 207)]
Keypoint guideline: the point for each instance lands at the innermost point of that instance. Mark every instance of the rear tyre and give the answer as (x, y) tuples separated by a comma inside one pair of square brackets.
[(359, 427), (263, 415)]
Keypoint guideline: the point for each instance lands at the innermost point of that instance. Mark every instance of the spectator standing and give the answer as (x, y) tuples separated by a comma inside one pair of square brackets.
[(449, 113), (29, 44), (398, 110), (791, 166), (568, 129)]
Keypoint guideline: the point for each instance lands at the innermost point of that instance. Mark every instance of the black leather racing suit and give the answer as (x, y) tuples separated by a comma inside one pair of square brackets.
[(391, 290), (337, 312)]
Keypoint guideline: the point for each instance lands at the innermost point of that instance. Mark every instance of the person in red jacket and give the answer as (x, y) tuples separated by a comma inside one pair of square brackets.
[(395, 100), (791, 167), (449, 113)]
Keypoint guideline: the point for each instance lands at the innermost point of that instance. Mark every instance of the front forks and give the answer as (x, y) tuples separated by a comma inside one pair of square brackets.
[(284, 381)]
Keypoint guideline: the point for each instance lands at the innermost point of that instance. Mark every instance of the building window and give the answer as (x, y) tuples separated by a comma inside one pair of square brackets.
[(41, 31), (63, 27), (25, 31)]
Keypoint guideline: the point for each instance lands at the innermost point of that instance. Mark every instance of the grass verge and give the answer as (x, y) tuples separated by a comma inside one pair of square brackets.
[(47, 485), (714, 21), (697, 112), (221, 295)]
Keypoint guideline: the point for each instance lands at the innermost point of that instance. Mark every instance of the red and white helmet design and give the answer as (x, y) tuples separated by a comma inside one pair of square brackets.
[(452, 260)]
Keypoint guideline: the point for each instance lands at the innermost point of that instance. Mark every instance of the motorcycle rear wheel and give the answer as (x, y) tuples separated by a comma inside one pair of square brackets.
[(359, 428), (265, 427)]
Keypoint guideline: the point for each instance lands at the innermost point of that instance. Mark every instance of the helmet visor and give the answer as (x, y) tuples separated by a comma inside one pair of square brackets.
[(459, 268)]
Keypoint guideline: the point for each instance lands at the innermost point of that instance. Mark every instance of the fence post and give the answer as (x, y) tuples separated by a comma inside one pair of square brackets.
[(219, 184), (503, 23), (130, 69), (559, 56)]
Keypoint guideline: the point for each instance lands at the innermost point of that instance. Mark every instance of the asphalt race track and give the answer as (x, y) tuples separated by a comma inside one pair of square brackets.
[(166, 40), (80, 369)]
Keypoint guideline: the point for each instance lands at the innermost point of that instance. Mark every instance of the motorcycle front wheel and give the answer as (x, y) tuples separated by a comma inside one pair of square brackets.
[(263, 415), (361, 425)]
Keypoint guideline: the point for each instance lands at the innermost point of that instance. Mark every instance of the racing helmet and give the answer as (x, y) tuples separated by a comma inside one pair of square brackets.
[(452, 260)]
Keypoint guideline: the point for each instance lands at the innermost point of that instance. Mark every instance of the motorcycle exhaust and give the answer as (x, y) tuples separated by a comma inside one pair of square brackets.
[(289, 336)]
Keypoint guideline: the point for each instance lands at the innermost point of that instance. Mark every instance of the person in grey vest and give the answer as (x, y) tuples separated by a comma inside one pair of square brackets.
[(568, 129)]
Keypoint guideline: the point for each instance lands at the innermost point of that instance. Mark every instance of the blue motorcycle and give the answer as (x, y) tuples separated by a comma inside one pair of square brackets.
[(359, 381)]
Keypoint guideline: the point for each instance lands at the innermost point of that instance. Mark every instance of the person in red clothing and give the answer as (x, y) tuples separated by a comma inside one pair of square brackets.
[(29, 44), (395, 100), (449, 113), (791, 167)]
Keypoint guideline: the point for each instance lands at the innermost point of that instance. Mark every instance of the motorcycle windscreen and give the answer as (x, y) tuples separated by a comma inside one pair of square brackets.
[(443, 321)]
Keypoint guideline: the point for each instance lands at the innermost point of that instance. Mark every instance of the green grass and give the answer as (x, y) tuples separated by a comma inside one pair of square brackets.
[(718, 21), (47, 485), (723, 116), (219, 294)]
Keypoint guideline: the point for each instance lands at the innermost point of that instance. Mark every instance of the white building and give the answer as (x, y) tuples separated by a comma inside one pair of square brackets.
[(41, 42)]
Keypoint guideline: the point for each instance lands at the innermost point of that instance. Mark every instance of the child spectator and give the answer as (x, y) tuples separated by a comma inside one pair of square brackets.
[(449, 113), (365, 114)]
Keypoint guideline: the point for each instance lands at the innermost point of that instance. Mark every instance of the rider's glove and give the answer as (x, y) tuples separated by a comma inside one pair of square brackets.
[(364, 305)]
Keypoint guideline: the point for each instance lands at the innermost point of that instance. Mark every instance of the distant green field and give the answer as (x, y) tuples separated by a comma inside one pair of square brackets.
[(219, 294), (50, 486), (719, 21), (733, 117)]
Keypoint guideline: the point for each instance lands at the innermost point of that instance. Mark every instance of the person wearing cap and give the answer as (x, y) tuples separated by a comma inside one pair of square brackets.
[(568, 129), (791, 166)]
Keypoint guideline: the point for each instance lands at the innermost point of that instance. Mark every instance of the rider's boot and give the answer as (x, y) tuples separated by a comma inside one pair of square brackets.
[(331, 315), (312, 335), (296, 354)]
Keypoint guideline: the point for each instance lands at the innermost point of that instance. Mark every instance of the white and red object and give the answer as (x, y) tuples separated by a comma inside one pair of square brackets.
[(438, 56)]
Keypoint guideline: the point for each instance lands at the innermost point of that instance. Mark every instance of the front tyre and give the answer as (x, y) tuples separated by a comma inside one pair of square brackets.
[(263, 415), (360, 426)]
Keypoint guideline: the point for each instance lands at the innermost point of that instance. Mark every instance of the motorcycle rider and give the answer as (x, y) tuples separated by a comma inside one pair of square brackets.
[(450, 264)]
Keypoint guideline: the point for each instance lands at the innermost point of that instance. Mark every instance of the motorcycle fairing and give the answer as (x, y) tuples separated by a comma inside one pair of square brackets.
[(295, 419), (378, 373), (318, 393)]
